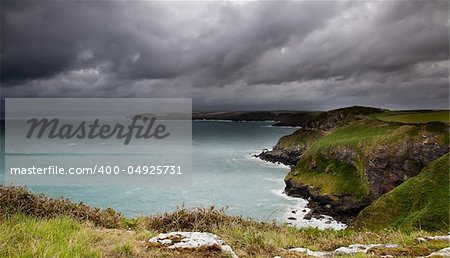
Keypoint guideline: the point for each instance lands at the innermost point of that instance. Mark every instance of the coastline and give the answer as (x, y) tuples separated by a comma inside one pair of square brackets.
[(299, 214)]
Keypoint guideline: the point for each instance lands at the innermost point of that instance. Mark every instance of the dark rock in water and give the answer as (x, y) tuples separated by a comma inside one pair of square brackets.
[(304, 210), (328, 222), (281, 155), (309, 215), (291, 218), (294, 212)]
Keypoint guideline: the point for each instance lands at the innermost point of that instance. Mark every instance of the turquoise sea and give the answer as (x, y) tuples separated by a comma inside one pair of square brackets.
[(224, 174)]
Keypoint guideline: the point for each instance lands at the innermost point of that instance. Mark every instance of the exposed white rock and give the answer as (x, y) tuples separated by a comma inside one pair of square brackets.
[(421, 240), (434, 238), (166, 241), (345, 250), (441, 253), (310, 252), (227, 249), (358, 248), (175, 240)]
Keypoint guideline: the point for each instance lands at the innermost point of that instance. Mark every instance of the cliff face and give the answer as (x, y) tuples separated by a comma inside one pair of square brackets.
[(347, 165), (420, 202)]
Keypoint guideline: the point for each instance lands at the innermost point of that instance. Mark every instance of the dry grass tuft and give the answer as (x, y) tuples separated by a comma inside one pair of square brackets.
[(198, 219), (19, 200)]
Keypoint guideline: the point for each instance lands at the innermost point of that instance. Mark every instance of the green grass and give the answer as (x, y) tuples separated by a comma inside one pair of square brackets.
[(34, 235), (368, 132), (299, 138), (28, 236), (420, 202), (23, 236), (416, 117)]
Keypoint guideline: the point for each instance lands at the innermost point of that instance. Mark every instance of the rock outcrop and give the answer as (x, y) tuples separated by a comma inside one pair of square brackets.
[(287, 156), (175, 240)]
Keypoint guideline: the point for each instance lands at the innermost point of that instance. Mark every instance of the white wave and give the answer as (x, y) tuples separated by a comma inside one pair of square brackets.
[(277, 180), (284, 126), (294, 214), (213, 120), (267, 163), (133, 190)]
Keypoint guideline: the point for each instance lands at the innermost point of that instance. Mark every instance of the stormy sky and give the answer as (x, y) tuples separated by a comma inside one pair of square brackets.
[(303, 55)]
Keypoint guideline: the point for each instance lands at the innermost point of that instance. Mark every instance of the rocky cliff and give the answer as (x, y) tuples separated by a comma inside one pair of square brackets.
[(343, 166)]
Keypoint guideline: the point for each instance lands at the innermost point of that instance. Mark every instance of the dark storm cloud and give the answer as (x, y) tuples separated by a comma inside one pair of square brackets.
[(149, 40), (230, 55)]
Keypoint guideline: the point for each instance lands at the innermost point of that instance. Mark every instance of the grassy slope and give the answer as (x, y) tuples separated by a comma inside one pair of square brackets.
[(416, 116), (27, 236), (422, 201), (63, 236), (332, 176), (44, 233)]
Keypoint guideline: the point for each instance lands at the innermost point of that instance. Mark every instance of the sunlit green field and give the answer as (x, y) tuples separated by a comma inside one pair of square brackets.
[(417, 117)]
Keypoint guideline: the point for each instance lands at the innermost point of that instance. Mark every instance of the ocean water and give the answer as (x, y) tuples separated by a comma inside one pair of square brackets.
[(225, 174)]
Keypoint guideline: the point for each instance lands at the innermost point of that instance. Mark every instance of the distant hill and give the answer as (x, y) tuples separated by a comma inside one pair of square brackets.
[(281, 118)]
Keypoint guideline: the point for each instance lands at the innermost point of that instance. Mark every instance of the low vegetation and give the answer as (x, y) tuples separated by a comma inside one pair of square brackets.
[(50, 234), (19, 200)]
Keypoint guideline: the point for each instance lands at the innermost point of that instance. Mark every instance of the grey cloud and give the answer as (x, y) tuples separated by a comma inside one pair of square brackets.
[(230, 55)]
